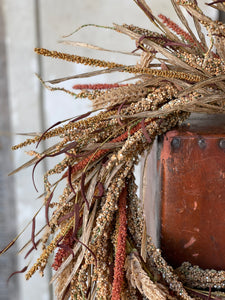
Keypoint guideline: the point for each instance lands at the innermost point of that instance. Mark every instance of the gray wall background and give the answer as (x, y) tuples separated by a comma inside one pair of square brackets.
[(26, 107)]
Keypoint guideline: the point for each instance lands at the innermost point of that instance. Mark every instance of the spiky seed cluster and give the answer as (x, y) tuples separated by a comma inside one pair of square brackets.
[(77, 59)]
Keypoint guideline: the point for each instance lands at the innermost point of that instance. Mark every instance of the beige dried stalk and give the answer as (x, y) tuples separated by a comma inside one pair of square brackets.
[(139, 279)]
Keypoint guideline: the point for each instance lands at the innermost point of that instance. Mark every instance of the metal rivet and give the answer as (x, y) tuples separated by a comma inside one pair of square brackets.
[(202, 143), (222, 143), (176, 142)]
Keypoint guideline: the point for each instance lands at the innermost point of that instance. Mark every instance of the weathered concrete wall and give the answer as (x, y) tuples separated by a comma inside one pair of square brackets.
[(23, 90), (7, 199)]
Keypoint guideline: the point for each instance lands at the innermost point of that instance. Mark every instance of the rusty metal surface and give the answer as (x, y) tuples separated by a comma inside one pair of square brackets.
[(193, 195)]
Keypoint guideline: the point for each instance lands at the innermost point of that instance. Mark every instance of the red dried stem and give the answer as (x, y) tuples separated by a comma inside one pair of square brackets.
[(97, 86), (121, 248), (215, 2), (172, 25), (63, 253)]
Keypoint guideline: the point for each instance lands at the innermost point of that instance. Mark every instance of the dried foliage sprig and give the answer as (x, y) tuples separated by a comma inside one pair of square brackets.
[(120, 248), (178, 73)]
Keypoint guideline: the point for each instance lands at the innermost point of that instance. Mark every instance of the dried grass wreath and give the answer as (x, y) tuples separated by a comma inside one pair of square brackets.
[(97, 230)]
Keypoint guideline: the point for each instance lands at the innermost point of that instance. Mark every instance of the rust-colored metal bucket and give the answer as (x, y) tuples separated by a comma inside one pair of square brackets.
[(191, 214)]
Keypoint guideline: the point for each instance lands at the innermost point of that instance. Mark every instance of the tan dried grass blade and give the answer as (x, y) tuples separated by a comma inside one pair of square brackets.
[(144, 242), (219, 6), (87, 25), (32, 161), (189, 107), (143, 5), (171, 58), (89, 195), (85, 75), (21, 232), (111, 175), (185, 23), (93, 146), (84, 238), (94, 47), (7, 133), (200, 33), (140, 280), (199, 15), (196, 86), (28, 242)]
